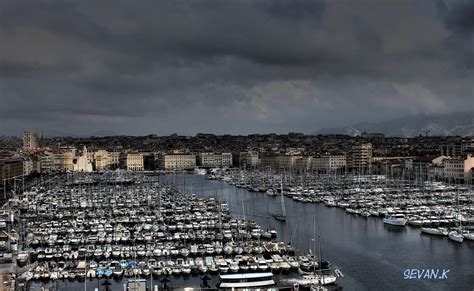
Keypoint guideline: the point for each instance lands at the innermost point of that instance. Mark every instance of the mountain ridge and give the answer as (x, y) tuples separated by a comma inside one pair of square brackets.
[(449, 124)]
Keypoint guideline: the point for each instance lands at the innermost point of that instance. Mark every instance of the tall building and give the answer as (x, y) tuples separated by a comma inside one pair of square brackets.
[(30, 140), (362, 156)]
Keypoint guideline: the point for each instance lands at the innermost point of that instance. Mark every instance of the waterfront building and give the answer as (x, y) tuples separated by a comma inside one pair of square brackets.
[(28, 165), (279, 161), (64, 159), (458, 169), (149, 161), (214, 160), (101, 160), (46, 161), (113, 160), (361, 157), (176, 161), (248, 159), (83, 163), (304, 162), (420, 167), (134, 162), (10, 168), (30, 140), (329, 163)]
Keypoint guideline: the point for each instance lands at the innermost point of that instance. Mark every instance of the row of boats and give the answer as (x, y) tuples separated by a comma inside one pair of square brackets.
[(303, 264), (438, 208), (101, 229)]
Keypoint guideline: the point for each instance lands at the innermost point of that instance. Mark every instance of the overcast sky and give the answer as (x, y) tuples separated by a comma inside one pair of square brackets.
[(143, 67)]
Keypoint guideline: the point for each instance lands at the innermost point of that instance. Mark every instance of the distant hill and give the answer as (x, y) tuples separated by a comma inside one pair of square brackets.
[(461, 124), (103, 133)]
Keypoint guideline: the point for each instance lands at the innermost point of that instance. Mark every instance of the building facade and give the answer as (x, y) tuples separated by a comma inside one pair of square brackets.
[(214, 160), (249, 159), (176, 161), (134, 162), (332, 162), (30, 140), (10, 168), (361, 156), (83, 162), (458, 169)]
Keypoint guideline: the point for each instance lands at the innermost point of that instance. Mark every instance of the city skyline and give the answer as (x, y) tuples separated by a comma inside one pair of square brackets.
[(230, 67)]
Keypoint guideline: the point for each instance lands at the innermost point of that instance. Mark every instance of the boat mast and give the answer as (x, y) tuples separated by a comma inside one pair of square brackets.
[(283, 209)]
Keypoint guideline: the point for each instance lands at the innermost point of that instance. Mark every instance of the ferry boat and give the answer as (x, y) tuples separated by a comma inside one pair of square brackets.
[(247, 280), (395, 219)]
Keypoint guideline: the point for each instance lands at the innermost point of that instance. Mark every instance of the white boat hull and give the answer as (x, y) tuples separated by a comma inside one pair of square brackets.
[(396, 222)]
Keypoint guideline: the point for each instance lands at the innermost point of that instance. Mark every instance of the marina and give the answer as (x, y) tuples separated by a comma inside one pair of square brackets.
[(371, 254), (232, 230), (126, 226), (436, 207)]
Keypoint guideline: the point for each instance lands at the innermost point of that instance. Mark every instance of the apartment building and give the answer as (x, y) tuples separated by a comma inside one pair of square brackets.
[(458, 168), (328, 163), (176, 161), (30, 140), (134, 162), (361, 156), (248, 159), (214, 160)]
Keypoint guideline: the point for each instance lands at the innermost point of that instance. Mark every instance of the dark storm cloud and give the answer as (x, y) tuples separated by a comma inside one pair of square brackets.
[(238, 66), (461, 18)]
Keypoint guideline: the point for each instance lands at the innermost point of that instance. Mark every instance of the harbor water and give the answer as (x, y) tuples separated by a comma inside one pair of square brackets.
[(371, 255)]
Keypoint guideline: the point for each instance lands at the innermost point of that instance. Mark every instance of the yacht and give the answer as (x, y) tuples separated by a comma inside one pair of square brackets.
[(435, 230), (395, 219)]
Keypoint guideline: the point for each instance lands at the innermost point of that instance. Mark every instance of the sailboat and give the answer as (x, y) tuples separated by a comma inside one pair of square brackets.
[(457, 235), (282, 215), (324, 279), (319, 276)]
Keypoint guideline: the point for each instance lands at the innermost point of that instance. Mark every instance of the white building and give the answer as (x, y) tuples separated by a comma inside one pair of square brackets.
[(135, 162), (83, 163), (214, 160), (177, 161)]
